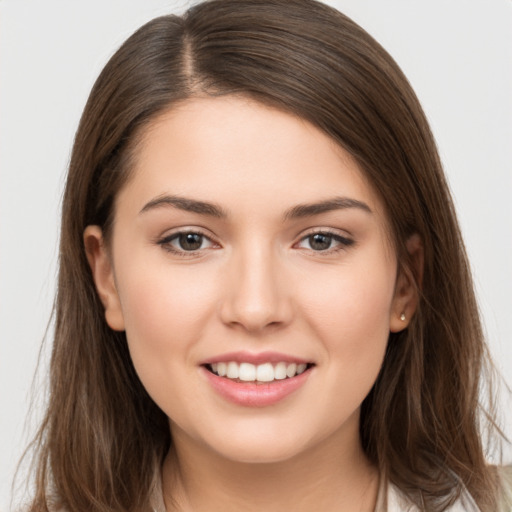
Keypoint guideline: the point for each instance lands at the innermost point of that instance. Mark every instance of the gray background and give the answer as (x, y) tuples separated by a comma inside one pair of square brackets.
[(457, 55)]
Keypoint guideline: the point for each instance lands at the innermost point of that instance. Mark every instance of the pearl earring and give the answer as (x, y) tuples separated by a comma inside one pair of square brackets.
[(402, 317)]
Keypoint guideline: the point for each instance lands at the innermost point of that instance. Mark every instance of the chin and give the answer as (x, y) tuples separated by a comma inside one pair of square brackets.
[(262, 444), (258, 453)]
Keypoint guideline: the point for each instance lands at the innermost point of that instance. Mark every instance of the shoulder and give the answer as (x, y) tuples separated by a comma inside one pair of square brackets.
[(505, 477), (398, 502), (395, 501)]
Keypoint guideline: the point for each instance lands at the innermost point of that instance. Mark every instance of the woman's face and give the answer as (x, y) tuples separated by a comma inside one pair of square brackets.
[(247, 242)]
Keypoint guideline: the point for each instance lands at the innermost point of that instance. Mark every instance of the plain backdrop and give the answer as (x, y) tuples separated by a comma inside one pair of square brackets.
[(457, 55)]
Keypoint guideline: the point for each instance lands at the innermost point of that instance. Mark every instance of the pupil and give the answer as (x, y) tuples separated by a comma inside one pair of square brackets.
[(320, 242), (190, 241)]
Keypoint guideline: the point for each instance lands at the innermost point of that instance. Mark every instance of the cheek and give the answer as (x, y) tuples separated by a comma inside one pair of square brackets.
[(351, 299), (350, 313), (352, 320), (165, 309)]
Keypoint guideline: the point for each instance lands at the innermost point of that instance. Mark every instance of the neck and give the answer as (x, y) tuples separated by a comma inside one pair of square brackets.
[(332, 476)]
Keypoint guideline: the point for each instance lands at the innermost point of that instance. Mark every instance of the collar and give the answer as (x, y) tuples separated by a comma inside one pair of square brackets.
[(389, 499)]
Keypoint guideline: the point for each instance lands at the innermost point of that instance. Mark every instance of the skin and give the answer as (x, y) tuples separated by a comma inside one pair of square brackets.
[(257, 283)]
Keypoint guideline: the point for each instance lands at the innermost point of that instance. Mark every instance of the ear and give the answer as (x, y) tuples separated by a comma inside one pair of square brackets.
[(407, 289), (103, 275)]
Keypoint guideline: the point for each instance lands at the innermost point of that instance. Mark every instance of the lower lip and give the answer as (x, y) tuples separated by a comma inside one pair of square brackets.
[(251, 394)]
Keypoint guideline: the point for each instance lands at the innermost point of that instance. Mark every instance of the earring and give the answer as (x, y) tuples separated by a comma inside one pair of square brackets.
[(402, 317)]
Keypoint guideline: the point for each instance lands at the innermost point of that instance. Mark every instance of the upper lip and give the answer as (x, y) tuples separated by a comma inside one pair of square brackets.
[(255, 358)]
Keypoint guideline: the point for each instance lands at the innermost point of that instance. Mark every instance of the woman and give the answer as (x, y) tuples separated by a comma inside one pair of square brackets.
[(263, 294)]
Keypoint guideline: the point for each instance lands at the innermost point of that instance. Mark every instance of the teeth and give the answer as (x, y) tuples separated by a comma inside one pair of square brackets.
[(232, 371), (280, 371), (291, 370), (221, 369), (247, 372), (266, 372)]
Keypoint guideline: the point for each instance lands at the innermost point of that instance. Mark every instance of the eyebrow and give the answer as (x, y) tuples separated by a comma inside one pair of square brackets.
[(213, 210), (336, 203), (186, 204)]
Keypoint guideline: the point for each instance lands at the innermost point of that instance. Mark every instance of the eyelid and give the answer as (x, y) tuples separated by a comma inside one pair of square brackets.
[(165, 240), (344, 240)]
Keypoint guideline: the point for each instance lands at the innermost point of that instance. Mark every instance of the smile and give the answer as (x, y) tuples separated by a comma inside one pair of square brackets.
[(264, 373), (256, 380)]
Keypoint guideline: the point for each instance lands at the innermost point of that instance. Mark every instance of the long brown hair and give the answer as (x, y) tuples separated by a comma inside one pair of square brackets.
[(102, 435)]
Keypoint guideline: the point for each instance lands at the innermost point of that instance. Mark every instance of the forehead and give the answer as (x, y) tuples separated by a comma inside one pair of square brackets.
[(242, 153)]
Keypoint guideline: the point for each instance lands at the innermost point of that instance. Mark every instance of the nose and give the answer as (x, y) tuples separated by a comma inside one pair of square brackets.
[(257, 296)]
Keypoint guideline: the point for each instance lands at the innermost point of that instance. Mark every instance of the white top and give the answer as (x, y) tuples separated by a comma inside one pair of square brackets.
[(396, 501)]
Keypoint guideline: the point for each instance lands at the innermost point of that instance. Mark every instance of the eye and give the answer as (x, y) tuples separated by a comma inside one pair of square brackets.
[(323, 241), (186, 241)]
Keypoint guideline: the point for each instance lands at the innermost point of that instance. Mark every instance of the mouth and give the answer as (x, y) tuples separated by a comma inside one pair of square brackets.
[(257, 379), (265, 373)]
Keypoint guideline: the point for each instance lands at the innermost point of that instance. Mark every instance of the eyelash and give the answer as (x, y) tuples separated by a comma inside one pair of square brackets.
[(165, 243), (342, 241)]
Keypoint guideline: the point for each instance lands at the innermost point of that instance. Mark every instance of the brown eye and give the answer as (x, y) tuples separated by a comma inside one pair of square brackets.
[(320, 241), (325, 242), (190, 241), (186, 242)]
